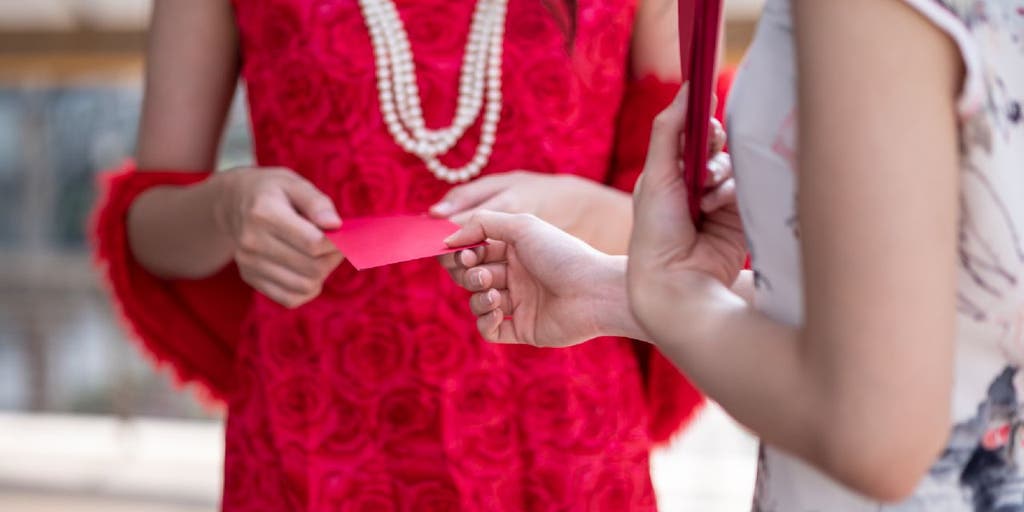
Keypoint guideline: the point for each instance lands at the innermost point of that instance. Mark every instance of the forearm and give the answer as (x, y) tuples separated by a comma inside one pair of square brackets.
[(612, 315), (748, 363), (760, 357), (804, 397), (174, 232), (751, 365)]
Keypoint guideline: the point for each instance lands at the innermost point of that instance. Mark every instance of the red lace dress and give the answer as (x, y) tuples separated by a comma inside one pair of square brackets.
[(379, 395)]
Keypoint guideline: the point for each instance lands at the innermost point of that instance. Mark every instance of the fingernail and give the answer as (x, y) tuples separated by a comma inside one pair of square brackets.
[(714, 170), (327, 218), (488, 298), (478, 279), (444, 208)]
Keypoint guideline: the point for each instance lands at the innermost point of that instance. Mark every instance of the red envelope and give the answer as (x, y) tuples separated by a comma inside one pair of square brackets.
[(370, 242), (698, 49)]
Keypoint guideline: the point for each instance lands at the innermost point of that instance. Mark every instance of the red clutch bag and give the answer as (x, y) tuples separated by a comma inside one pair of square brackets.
[(698, 48)]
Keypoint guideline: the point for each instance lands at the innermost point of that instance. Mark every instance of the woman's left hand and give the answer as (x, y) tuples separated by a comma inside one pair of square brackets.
[(577, 205), (666, 246)]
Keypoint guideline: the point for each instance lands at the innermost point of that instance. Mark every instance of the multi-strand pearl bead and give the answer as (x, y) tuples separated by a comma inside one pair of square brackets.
[(479, 86)]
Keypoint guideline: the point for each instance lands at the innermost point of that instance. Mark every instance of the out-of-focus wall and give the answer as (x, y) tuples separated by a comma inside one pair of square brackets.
[(69, 104)]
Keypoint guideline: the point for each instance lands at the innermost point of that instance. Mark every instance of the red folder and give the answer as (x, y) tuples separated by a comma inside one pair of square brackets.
[(698, 49)]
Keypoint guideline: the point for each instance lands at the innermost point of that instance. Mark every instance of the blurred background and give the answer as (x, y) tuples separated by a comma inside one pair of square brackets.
[(86, 424)]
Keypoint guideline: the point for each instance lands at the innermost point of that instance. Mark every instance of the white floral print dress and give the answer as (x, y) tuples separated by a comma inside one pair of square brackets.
[(982, 468)]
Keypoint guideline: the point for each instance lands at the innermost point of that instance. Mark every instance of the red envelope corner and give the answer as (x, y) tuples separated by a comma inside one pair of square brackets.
[(370, 242)]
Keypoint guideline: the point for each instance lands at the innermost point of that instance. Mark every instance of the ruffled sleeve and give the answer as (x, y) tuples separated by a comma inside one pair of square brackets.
[(189, 326), (672, 399)]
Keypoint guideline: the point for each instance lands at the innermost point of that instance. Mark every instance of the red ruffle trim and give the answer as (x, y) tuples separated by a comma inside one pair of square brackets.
[(191, 326)]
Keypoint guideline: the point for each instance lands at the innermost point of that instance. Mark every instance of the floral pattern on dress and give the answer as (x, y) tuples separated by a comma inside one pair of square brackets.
[(982, 469)]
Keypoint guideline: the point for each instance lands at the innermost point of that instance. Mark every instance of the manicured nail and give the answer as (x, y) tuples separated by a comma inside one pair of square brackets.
[(444, 208), (715, 170), (327, 218)]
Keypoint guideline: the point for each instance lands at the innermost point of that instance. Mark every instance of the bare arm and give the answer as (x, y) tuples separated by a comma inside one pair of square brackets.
[(862, 390), (191, 74), (269, 221), (655, 45)]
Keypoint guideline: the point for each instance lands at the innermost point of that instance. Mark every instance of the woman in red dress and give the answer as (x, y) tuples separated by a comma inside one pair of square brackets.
[(371, 390)]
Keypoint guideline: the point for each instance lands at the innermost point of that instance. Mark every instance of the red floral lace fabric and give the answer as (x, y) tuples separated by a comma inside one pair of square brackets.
[(379, 395)]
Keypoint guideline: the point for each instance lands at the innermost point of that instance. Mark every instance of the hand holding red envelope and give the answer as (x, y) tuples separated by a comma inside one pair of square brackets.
[(369, 242)]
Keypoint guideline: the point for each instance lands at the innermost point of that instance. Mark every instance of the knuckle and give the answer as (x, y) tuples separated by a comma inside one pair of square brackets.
[(247, 277), (311, 288), (243, 259), (307, 288), (280, 173), (291, 301), (248, 241), (329, 266), (307, 246), (261, 210)]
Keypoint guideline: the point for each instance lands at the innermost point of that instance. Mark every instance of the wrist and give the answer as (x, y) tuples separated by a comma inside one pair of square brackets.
[(677, 305), (220, 188), (612, 315)]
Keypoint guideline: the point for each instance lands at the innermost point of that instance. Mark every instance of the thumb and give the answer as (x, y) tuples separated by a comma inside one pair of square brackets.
[(312, 204), (488, 225), (469, 195), (662, 164)]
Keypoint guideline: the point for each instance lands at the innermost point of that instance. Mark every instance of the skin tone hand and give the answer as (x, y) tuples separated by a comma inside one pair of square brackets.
[(665, 240), (594, 212), (275, 219), (534, 283), (268, 221), (599, 215), (538, 285)]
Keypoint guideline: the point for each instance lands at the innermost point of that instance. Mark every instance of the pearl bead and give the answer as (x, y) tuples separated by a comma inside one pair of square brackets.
[(479, 86)]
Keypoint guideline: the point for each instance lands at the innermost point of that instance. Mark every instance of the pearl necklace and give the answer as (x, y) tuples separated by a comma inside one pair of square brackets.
[(479, 80)]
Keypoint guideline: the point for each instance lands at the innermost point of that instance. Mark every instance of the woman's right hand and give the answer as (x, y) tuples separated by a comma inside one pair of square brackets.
[(535, 284), (276, 220)]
